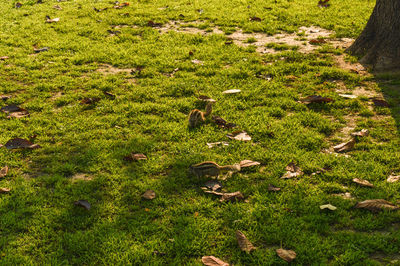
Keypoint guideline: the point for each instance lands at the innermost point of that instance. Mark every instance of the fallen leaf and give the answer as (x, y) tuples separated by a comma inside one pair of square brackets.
[(90, 100), (18, 143), (153, 24), (49, 20), (39, 50), (327, 206), (321, 170), (362, 133), (220, 143), (109, 94), (83, 204), (363, 182), (346, 195), (292, 171), (393, 179), (287, 255), (57, 7), (135, 157), (20, 114), (222, 122), (248, 163), (346, 146), (18, 5), (239, 135), (121, 5), (196, 214), (227, 196), (206, 99), (376, 205), (4, 57), (380, 102), (197, 62), (3, 171), (231, 91), (4, 190), (149, 194), (11, 108), (100, 9), (316, 99), (255, 19), (244, 243), (5, 97), (323, 3), (349, 96), (317, 41), (273, 188), (213, 261), (113, 32), (213, 184)]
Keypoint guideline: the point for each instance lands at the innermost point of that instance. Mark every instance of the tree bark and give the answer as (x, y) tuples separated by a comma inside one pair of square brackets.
[(379, 43)]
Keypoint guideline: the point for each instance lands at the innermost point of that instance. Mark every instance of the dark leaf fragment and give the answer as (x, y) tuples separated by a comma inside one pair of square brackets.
[(213, 184), (380, 102), (39, 50), (222, 122), (90, 100), (323, 3), (255, 19), (153, 24), (317, 41), (18, 143), (83, 204), (292, 171)]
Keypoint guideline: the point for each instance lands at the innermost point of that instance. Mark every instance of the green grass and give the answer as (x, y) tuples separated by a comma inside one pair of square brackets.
[(39, 223)]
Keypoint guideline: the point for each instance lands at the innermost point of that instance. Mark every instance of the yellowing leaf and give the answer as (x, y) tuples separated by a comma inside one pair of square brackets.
[(327, 206)]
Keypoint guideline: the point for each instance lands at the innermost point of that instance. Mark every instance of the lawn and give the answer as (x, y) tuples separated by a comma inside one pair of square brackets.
[(117, 79)]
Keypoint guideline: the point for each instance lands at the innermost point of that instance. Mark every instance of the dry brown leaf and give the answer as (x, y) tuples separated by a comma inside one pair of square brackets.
[(380, 102), (4, 57), (197, 62), (213, 261), (206, 99), (49, 20), (363, 182), (222, 123), (248, 163), (376, 205), (5, 97), (90, 100), (286, 254), (255, 19), (227, 196), (39, 50), (393, 179), (149, 194), (121, 5), (292, 171), (19, 114), (348, 96), (83, 203), (244, 243), (57, 7), (273, 188), (135, 157), (18, 143), (316, 99), (231, 91), (213, 184), (317, 41), (3, 171), (239, 135), (362, 133), (4, 190), (346, 146)]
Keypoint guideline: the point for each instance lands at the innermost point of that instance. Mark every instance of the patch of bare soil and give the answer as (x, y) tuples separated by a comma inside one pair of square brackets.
[(80, 176), (352, 67)]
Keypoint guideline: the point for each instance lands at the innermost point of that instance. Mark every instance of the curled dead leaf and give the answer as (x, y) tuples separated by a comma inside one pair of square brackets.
[(206, 99), (362, 133), (255, 19), (376, 205), (133, 157), (149, 194), (346, 146), (393, 179), (244, 243), (222, 123), (292, 171), (213, 261), (328, 207), (248, 163), (285, 254), (363, 182), (273, 188), (219, 143), (4, 190), (83, 203), (239, 135), (3, 171), (18, 143), (233, 91), (316, 99)]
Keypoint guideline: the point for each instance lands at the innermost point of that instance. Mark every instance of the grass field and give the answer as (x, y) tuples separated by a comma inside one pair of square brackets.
[(156, 77)]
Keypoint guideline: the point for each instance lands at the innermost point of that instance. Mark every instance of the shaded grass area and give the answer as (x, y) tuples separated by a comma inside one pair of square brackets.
[(39, 223)]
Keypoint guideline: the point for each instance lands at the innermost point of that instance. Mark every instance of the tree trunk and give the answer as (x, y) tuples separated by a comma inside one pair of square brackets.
[(379, 43)]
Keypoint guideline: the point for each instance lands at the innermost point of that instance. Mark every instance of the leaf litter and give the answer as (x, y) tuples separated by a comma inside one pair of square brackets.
[(243, 242), (273, 188), (4, 171), (239, 135), (292, 171), (149, 194), (362, 182), (18, 143), (286, 254), (213, 261), (376, 205), (222, 123), (393, 178), (219, 143), (328, 207)]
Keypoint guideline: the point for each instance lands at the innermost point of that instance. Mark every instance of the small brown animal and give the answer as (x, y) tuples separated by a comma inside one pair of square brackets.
[(197, 117), (209, 168)]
